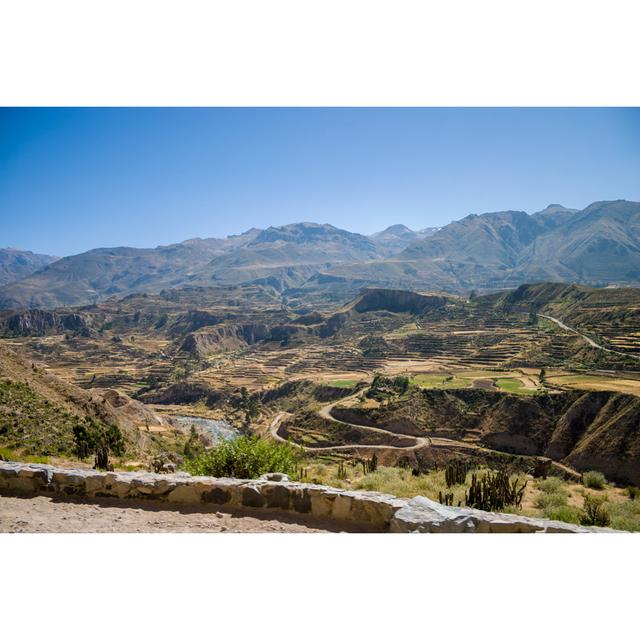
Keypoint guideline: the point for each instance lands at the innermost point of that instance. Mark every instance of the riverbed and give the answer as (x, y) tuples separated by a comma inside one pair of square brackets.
[(219, 430)]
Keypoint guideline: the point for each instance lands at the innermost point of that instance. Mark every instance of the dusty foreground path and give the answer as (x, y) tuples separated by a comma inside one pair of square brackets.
[(44, 514)]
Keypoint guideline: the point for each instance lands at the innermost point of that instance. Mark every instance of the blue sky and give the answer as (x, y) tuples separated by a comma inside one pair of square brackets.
[(75, 179)]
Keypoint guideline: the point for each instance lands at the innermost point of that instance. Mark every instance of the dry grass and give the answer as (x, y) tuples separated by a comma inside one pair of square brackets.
[(553, 498), (595, 383)]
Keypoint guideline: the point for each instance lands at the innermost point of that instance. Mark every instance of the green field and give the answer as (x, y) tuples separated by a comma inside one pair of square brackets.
[(438, 381), (513, 385), (466, 379), (342, 384)]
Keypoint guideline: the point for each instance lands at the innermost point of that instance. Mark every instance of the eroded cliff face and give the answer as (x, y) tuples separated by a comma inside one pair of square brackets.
[(221, 338), (36, 322), (587, 430), (397, 301)]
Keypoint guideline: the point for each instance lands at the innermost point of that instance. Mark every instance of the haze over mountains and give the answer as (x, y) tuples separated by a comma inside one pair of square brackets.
[(599, 245), (16, 264)]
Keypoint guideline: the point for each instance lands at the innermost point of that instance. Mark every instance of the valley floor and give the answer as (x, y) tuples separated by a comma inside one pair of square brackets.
[(43, 514)]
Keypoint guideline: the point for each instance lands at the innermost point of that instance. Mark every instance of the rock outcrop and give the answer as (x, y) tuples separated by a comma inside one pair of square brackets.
[(36, 322)]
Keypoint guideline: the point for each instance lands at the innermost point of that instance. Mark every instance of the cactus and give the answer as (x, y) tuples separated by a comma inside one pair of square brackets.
[(447, 499), (369, 466), (342, 472), (299, 473), (493, 492), (456, 472)]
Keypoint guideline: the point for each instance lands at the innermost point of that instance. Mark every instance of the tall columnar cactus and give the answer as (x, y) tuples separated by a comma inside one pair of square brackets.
[(369, 466), (493, 492), (456, 472)]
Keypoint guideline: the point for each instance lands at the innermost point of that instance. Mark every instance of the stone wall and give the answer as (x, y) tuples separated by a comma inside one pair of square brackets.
[(273, 492)]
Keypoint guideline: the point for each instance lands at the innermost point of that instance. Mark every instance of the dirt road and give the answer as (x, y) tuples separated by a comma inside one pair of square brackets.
[(44, 514), (587, 339), (424, 441)]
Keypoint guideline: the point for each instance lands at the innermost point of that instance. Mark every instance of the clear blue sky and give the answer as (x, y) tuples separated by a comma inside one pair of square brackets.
[(75, 179)]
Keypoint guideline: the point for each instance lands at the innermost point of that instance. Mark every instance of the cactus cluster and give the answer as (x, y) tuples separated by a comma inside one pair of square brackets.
[(456, 472), (300, 473), (446, 499), (494, 491), (369, 466)]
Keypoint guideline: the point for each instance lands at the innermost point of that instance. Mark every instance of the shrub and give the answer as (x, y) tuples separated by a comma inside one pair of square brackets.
[(633, 492), (625, 515), (594, 480), (595, 513), (245, 457), (551, 500), (565, 513), (552, 484)]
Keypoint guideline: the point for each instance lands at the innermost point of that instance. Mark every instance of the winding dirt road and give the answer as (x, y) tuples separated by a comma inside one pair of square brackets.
[(420, 441), (275, 424), (587, 339)]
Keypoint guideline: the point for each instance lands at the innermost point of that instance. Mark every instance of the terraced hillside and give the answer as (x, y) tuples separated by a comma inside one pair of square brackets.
[(38, 411), (228, 337), (585, 430)]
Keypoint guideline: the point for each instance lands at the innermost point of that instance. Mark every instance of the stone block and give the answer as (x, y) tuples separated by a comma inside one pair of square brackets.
[(252, 497), (277, 496), (301, 500)]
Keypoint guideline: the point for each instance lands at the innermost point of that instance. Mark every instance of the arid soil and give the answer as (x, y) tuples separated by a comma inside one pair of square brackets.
[(44, 514)]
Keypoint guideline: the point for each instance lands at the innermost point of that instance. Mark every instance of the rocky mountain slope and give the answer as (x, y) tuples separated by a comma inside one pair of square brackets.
[(16, 264), (599, 245), (38, 409), (398, 237), (277, 257)]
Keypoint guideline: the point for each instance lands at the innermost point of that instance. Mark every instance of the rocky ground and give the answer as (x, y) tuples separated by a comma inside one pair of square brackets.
[(44, 514)]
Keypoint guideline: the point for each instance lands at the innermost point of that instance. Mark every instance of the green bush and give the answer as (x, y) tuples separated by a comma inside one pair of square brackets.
[(553, 496), (595, 513), (594, 480), (552, 484), (552, 500), (565, 513), (625, 515), (245, 457)]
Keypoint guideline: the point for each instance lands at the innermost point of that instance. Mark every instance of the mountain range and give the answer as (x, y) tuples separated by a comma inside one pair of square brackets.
[(599, 245), (16, 264)]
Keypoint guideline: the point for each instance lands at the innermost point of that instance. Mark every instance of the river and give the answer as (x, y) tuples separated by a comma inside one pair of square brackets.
[(218, 429)]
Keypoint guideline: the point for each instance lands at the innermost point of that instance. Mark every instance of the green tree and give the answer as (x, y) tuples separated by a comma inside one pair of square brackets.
[(193, 447), (93, 437), (250, 405)]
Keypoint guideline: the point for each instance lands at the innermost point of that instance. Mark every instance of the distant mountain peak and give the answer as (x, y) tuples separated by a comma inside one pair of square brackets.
[(397, 228), (552, 209), (597, 245), (16, 264)]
